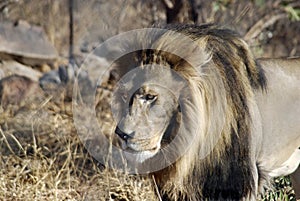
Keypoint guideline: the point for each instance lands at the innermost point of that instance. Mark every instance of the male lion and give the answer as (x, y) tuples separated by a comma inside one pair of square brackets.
[(236, 120)]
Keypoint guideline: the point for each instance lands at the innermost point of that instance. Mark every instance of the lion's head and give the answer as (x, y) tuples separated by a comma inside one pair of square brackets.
[(147, 117), (149, 109)]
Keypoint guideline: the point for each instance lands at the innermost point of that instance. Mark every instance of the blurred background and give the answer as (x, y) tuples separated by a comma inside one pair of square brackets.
[(271, 27)]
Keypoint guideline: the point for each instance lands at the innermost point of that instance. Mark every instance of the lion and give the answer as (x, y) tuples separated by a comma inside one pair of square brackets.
[(235, 119)]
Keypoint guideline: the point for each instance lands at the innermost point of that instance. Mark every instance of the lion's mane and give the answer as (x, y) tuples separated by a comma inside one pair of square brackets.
[(220, 114)]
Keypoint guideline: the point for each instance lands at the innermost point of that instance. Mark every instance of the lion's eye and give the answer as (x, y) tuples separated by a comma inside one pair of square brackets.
[(150, 97)]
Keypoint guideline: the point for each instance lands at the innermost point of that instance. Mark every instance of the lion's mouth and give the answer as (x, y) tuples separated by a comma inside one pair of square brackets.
[(140, 145), (132, 150), (140, 155)]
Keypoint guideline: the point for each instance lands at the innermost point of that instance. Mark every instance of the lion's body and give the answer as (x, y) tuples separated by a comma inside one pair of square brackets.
[(236, 133), (280, 111)]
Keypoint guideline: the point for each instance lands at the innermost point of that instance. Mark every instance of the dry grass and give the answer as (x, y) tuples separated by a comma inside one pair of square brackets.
[(42, 158)]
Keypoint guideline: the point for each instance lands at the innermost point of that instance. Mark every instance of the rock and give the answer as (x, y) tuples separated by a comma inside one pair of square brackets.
[(87, 70), (26, 43), (45, 68), (97, 68), (19, 90), (53, 84), (10, 67)]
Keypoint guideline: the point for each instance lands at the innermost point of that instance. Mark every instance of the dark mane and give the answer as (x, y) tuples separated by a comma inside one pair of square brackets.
[(229, 176)]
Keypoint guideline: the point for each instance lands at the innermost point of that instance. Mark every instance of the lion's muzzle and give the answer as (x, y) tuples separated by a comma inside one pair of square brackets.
[(122, 135)]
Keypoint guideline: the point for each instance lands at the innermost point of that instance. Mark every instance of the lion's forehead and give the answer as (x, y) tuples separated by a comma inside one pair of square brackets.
[(147, 89)]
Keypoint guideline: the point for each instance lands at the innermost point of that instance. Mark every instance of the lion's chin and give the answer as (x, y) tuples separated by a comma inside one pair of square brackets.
[(140, 156), (144, 155)]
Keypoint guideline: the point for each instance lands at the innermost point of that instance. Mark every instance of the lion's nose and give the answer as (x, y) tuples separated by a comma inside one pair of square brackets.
[(122, 135)]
